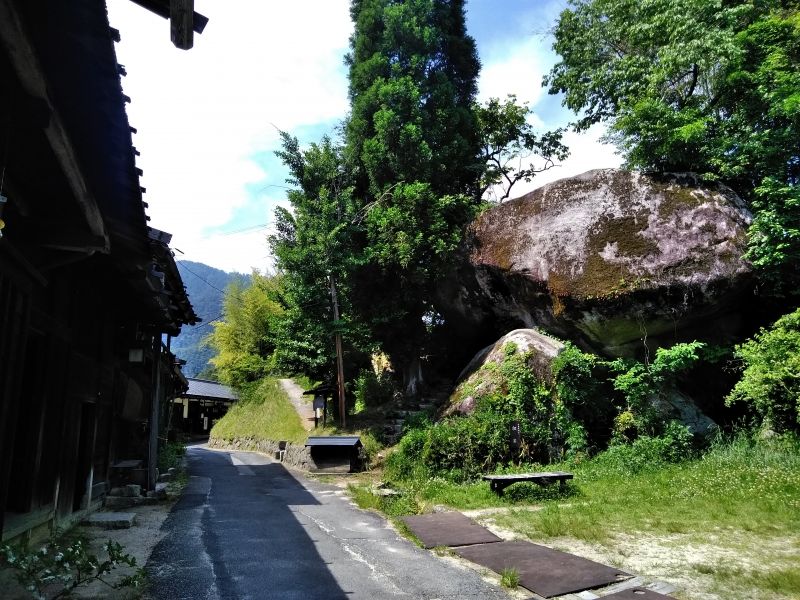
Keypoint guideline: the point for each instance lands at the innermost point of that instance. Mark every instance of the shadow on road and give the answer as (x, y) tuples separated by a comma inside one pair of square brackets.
[(234, 534)]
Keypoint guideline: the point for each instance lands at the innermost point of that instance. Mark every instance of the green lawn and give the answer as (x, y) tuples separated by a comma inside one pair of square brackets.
[(726, 525)]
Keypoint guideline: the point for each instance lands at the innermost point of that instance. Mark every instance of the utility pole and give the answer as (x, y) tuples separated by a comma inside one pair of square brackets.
[(339, 363)]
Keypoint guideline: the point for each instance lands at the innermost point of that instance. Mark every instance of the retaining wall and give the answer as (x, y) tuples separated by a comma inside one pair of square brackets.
[(296, 456)]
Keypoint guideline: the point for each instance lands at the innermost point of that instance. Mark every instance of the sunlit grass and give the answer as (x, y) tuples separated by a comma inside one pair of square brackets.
[(741, 498), (263, 413), (740, 485)]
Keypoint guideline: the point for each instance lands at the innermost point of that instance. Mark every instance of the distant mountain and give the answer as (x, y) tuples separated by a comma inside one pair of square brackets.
[(206, 286)]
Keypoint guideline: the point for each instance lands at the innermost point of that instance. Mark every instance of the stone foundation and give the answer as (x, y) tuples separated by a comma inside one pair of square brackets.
[(295, 455)]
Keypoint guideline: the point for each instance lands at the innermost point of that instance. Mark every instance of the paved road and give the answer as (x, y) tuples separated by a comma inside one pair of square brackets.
[(246, 527)]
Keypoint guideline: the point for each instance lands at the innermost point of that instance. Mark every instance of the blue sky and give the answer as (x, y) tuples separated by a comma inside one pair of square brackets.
[(207, 119)]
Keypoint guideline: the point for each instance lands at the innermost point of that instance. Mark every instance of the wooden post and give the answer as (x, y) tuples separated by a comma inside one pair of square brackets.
[(181, 16), (339, 363), (152, 453)]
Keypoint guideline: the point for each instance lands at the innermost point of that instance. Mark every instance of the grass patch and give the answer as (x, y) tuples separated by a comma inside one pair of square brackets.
[(739, 484), (443, 551), (170, 456), (738, 503), (364, 498), (783, 581), (263, 412), (753, 487), (509, 578)]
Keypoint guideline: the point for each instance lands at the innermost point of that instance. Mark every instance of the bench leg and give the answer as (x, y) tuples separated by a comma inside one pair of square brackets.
[(497, 487)]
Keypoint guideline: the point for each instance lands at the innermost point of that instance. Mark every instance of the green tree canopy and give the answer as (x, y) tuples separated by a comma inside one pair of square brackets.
[(413, 79), (412, 142), (770, 381), (509, 144), (383, 214), (316, 242), (244, 340)]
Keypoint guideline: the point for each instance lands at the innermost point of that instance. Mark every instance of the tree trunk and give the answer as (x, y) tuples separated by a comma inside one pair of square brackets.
[(412, 378)]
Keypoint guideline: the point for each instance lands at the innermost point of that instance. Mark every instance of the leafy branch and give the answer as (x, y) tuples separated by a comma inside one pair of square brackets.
[(55, 570)]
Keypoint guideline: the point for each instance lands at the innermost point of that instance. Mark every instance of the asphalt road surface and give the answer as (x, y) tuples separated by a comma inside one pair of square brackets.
[(246, 527)]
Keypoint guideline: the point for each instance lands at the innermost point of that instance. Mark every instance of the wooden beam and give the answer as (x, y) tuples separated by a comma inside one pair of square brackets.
[(162, 9), (180, 20), (26, 63), (73, 242)]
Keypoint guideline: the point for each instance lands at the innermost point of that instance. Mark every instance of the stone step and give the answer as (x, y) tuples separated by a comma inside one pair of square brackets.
[(111, 520), (127, 502)]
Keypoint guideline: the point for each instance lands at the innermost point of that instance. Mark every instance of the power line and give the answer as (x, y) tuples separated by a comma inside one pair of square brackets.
[(180, 264), (246, 229)]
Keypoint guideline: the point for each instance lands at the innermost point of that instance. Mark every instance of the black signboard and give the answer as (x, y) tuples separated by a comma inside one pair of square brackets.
[(516, 435)]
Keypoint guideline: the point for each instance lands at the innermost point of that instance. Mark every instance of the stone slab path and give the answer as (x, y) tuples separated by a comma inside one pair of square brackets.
[(302, 404), (546, 572)]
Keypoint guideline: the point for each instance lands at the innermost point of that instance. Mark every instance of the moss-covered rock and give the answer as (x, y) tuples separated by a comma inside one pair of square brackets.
[(483, 377), (606, 259)]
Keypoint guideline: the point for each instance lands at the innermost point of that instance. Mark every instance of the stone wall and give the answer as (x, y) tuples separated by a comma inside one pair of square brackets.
[(296, 455)]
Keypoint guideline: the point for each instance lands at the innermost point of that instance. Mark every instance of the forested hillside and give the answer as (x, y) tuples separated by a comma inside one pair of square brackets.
[(206, 287)]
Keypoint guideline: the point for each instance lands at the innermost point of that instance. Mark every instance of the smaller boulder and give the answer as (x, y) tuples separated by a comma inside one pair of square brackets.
[(480, 378)]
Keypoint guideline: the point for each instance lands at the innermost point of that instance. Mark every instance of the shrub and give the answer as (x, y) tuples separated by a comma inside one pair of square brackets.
[(170, 456), (559, 420), (372, 389), (640, 383), (407, 458), (371, 446), (674, 445), (770, 381)]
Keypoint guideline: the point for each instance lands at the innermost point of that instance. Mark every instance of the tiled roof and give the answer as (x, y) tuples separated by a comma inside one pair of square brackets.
[(209, 390), (329, 440)]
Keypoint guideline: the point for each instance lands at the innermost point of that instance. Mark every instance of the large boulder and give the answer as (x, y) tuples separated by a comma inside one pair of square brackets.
[(610, 259), (481, 377)]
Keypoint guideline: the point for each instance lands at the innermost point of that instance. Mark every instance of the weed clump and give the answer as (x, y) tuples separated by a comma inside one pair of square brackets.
[(582, 406)]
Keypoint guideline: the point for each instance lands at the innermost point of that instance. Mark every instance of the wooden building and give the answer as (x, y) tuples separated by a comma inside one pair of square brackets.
[(202, 404), (89, 293)]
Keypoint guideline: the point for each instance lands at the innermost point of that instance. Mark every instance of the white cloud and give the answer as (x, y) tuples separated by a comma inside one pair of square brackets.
[(205, 114), (516, 66), (587, 152), (202, 114), (513, 69)]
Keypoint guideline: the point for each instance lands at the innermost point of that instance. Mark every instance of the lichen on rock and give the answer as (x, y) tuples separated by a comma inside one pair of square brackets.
[(606, 258), (483, 378)]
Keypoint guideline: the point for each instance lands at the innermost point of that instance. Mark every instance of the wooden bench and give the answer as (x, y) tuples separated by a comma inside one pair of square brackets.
[(498, 483)]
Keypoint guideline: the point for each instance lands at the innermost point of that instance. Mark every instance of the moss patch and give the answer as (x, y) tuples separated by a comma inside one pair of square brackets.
[(675, 198)]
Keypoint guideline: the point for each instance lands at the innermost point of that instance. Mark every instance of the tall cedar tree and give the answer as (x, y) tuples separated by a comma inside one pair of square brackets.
[(711, 86), (412, 141)]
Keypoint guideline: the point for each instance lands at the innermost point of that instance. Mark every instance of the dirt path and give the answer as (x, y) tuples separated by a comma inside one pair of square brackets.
[(301, 403)]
